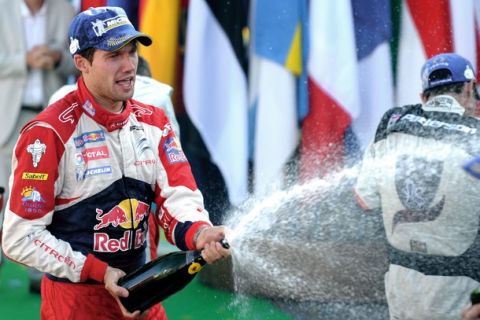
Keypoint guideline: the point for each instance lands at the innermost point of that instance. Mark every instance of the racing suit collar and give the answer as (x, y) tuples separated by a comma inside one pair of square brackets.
[(443, 103), (111, 121)]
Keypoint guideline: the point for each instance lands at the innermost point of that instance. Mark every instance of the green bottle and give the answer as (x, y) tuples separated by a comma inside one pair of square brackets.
[(475, 296), (160, 278)]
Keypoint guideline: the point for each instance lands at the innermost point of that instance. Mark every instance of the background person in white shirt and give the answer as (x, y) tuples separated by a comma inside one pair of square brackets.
[(34, 62)]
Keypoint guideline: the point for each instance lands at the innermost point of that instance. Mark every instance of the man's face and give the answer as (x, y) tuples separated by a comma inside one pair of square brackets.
[(111, 75)]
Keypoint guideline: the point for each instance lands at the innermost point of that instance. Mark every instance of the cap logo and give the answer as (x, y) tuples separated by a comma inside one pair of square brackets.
[(112, 42), (100, 27), (74, 45), (468, 73)]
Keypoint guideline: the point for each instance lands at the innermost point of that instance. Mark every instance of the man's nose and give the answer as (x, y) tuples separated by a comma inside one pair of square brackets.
[(128, 64)]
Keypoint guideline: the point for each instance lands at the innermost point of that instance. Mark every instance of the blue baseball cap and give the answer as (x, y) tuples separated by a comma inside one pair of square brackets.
[(104, 28), (458, 70)]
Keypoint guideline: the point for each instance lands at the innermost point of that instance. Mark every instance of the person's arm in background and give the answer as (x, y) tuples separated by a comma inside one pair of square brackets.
[(59, 15)]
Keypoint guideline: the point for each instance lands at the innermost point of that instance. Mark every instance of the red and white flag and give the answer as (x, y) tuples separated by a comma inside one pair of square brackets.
[(333, 86), (430, 27)]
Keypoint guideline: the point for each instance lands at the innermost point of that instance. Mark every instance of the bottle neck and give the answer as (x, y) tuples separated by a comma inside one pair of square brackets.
[(195, 256)]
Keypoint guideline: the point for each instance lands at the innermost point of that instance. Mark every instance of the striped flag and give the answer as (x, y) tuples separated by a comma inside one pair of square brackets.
[(276, 64), (333, 83), (430, 27), (215, 87), (373, 32)]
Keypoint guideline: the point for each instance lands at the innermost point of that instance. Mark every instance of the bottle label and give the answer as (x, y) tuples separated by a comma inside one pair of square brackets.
[(194, 268)]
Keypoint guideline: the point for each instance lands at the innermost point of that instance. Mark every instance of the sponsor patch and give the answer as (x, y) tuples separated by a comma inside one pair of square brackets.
[(166, 129), (68, 115), (34, 176), (57, 255), (32, 200), (439, 124), (93, 172), (89, 137), (36, 149), (393, 119), (95, 153), (102, 26), (127, 214), (418, 246), (173, 151), (147, 162), (89, 108), (117, 124)]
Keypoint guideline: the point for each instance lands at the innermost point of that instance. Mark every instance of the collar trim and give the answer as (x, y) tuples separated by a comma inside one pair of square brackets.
[(111, 121), (444, 103)]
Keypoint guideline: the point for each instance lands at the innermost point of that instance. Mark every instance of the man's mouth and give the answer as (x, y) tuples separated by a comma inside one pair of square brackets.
[(126, 83)]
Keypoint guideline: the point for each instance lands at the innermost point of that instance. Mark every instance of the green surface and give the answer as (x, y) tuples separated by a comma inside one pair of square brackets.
[(196, 301)]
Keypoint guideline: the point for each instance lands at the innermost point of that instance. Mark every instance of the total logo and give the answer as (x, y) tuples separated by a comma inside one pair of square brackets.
[(128, 214)]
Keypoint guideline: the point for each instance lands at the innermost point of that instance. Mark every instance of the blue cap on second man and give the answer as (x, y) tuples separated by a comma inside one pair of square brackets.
[(104, 28), (458, 70)]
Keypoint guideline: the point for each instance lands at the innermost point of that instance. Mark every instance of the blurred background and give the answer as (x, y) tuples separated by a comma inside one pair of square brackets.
[(271, 93)]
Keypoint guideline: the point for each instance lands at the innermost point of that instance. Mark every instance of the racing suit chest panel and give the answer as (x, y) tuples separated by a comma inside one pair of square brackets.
[(109, 178), (100, 158)]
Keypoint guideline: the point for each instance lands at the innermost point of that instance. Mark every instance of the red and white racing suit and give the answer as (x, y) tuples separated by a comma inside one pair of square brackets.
[(81, 187)]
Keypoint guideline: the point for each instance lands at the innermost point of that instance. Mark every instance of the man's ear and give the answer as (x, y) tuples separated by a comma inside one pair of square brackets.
[(81, 63), (423, 97), (467, 90)]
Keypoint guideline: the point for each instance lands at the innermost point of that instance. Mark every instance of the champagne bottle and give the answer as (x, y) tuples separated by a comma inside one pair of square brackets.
[(160, 278), (475, 296)]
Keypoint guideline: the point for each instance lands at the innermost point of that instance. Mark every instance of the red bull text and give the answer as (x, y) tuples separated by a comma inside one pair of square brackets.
[(128, 214)]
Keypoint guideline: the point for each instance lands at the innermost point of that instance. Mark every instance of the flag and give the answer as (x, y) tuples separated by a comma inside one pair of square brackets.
[(428, 28), (85, 4), (215, 87), (373, 32), (160, 20), (277, 50), (130, 7), (333, 77)]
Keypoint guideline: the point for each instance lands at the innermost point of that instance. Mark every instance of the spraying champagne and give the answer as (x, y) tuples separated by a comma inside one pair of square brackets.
[(162, 277)]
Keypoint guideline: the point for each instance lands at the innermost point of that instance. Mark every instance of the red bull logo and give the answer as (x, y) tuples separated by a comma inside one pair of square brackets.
[(127, 214), (173, 151), (121, 215), (88, 137)]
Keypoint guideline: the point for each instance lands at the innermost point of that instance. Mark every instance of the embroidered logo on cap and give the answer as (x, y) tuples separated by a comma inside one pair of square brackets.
[(100, 27)]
